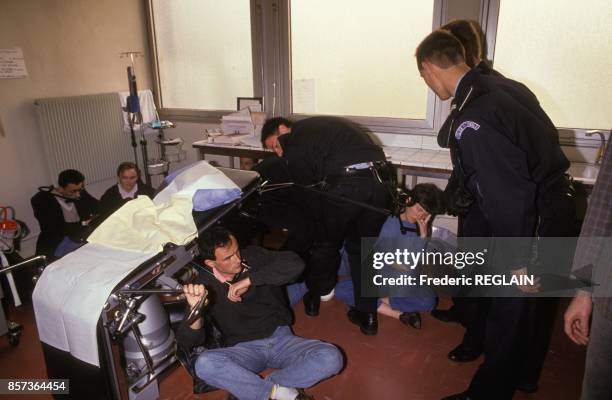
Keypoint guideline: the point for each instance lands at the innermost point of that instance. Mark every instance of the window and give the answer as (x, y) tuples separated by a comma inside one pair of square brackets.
[(560, 49), (204, 57), (305, 57), (356, 58)]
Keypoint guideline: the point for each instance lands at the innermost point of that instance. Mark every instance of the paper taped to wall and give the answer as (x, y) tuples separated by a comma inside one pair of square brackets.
[(12, 63)]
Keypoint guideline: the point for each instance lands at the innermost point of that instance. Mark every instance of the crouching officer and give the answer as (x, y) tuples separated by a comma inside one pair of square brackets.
[(337, 156), (507, 153)]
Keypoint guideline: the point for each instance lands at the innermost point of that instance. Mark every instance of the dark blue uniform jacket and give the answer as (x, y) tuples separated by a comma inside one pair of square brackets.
[(509, 150), (322, 146)]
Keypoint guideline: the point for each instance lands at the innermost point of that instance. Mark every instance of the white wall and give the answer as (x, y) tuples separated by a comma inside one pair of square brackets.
[(71, 47)]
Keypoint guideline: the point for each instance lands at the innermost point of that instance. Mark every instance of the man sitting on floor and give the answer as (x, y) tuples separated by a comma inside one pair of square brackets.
[(248, 305)]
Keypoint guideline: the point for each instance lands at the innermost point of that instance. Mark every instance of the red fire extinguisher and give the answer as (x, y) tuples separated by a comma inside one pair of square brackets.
[(9, 229)]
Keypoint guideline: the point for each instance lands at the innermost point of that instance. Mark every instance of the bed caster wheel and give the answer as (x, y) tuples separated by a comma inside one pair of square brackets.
[(13, 340), (14, 333)]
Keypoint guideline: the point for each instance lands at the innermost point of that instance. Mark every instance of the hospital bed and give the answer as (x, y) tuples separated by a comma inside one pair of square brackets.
[(134, 337)]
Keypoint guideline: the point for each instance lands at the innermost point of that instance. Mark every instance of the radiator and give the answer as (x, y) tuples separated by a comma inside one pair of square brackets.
[(87, 133)]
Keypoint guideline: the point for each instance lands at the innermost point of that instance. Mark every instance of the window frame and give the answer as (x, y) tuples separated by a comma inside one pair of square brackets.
[(434, 108), (271, 49), (199, 115), (568, 136)]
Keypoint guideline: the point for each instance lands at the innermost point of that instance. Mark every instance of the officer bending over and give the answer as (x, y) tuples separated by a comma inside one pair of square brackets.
[(338, 157)]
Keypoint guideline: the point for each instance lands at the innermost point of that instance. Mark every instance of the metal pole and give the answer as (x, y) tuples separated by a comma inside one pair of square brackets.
[(11, 267)]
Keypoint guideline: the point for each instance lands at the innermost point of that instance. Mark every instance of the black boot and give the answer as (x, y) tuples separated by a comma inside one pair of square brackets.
[(367, 321), (311, 304), (463, 353), (445, 315), (411, 318), (302, 395)]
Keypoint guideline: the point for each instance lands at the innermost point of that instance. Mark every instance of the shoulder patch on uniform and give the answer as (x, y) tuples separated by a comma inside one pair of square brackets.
[(464, 125)]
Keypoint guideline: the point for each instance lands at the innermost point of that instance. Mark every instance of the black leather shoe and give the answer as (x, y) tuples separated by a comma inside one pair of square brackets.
[(367, 321), (411, 318), (445, 316), (303, 396), (527, 387), (458, 396), (311, 304), (463, 353)]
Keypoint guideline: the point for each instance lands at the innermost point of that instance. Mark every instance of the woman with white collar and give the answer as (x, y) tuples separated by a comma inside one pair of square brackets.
[(128, 187)]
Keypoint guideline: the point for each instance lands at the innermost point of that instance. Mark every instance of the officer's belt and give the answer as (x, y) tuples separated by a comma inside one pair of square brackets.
[(377, 170), (363, 169)]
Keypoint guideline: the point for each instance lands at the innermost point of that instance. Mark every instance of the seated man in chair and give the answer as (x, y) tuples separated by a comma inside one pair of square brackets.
[(247, 304), (64, 213)]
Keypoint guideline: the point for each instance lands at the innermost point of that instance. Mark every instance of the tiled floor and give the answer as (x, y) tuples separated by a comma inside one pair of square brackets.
[(398, 363)]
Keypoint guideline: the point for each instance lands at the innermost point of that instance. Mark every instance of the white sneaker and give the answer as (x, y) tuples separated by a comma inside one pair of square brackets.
[(328, 296)]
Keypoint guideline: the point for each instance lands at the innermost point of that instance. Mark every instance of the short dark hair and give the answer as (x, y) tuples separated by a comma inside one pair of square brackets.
[(210, 240), (69, 176), (125, 166), (471, 36), (430, 197), (271, 128), (441, 48)]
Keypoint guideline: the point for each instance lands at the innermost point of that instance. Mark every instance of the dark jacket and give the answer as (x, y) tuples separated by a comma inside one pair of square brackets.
[(322, 146), (50, 218), (509, 150), (485, 68), (111, 200), (263, 307)]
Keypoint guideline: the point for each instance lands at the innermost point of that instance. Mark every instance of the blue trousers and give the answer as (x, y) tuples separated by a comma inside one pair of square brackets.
[(298, 363), (295, 292), (422, 298)]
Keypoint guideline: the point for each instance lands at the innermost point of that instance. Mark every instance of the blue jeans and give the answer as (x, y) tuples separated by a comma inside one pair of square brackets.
[(66, 246), (295, 292), (298, 363)]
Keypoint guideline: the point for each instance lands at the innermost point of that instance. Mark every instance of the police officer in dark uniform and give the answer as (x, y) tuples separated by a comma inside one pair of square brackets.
[(283, 208), (508, 154), (337, 157), (464, 308), (471, 311)]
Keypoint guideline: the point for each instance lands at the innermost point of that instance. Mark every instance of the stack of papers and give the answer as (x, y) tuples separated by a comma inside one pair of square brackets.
[(240, 128), (233, 140), (238, 122), (252, 141)]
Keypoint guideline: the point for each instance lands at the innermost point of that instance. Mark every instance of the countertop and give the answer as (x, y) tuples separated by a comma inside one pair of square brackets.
[(414, 159)]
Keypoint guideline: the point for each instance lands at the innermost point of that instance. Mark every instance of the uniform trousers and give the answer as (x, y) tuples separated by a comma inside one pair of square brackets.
[(345, 223)]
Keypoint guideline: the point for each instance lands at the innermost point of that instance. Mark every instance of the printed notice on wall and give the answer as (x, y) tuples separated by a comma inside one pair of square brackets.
[(12, 64), (304, 96)]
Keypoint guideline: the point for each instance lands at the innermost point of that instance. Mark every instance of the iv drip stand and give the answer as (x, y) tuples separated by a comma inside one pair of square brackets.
[(135, 116)]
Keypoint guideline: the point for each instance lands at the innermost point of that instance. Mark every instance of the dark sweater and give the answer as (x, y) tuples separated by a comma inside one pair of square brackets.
[(111, 200), (263, 307), (50, 218)]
